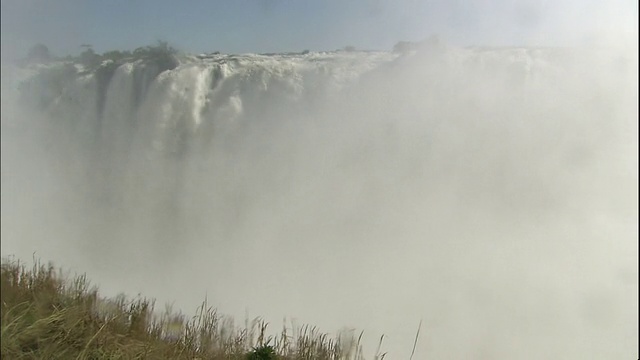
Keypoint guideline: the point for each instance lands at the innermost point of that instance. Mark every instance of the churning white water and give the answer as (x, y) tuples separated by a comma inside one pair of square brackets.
[(489, 192)]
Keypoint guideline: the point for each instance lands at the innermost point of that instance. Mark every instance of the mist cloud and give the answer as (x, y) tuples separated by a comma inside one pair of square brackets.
[(491, 192)]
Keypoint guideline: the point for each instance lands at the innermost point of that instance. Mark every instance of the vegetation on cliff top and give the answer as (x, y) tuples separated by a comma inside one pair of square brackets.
[(47, 316)]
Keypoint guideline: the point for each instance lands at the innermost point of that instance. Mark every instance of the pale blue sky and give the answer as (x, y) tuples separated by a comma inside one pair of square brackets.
[(294, 25)]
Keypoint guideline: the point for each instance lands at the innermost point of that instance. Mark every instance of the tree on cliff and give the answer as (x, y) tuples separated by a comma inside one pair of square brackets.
[(38, 54)]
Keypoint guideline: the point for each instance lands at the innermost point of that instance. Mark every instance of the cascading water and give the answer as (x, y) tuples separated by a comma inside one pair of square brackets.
[(490, 192)]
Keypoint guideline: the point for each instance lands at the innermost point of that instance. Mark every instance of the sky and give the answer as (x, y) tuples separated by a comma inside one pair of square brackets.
[(242, 26)]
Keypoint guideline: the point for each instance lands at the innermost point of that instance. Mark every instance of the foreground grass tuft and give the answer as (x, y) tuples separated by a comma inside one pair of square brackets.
[(47, 316)]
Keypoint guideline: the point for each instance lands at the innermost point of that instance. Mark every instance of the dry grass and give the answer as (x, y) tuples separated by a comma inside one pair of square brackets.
[(47, 316)]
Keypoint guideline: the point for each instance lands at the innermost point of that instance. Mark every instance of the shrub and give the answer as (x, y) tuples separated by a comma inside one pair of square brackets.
[(264, 352), (38, 54)]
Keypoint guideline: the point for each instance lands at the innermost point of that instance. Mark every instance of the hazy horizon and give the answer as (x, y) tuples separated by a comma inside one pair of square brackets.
[(289, 26)]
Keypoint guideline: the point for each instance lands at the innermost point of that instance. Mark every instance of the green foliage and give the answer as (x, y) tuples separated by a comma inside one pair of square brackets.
[(116, 56), (161, 48), (161, 55), (90, 59), (39, 54), (264, 352)]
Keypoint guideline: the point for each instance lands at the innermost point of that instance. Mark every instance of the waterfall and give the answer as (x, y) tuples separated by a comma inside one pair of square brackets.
[(485, 190)]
